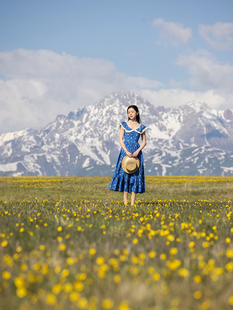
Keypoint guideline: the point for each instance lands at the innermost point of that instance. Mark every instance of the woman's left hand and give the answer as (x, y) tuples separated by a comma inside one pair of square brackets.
[(135, 154)]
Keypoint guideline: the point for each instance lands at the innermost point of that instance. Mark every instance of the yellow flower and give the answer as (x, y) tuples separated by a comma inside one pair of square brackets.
[(78, 286), (205, 244), (183, 272), (92, 252), (19, 282), (135, 241), (173, 251), (68, 287), (117, 278), (229, 253), (57, 288), (51, 299), (70, 261), (163, 256), (152, 254), (197, 294), (6, 275), (74, 296), (21, 292), (24, 267), (174, 264), (170, 237), (59, 228), (82, 303), (124, 306), (107, 303), (62, 247), (100, 261), (191, 244), (228, 240), (197, 279), (230, 300), (156, 276), (4, 243)]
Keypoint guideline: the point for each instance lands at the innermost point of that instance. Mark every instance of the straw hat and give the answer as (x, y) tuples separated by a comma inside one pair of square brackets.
[(130, 164)]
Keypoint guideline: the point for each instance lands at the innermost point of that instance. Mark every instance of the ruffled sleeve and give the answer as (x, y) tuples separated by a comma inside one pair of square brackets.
[(143, 129), (122, 125)]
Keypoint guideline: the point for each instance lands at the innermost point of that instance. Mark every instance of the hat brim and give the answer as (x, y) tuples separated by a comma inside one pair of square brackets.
[(123, 164)]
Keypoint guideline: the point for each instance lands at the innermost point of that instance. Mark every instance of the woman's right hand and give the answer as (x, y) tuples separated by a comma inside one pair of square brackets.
[(129, 154)]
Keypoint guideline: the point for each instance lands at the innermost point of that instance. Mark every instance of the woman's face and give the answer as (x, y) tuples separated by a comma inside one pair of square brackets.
[(132, 113)]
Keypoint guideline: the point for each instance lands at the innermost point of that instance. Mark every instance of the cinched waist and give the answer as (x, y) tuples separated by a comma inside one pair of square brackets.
[(132, 146)]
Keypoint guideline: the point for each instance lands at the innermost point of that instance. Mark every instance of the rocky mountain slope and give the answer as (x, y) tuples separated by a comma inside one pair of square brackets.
[(189, 140)]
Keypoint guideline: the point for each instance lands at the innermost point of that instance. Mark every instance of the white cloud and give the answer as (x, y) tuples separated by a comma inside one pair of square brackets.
[(207, 73), (219, 35), (38, 85), (172, 32), (174, 97)]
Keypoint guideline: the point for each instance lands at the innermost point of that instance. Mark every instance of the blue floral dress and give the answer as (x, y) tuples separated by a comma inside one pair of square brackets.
[(122, 181)]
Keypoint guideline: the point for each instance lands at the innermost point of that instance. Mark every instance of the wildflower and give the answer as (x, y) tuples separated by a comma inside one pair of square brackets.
[(197, 294), (205, 244), (78, 286), (51, 299), (63, 247), (117, 278), (6, 275), (74, 296), (163, 256), (92, 252), (82, 303), (230, 300), (124, 306), (100, 260), (107, 303), (57, 289), (4, 243), (173, 251), (21, 292), (197, 279), (156, 276), (229, 253), (68, 287), (183, 272), (191, 244)]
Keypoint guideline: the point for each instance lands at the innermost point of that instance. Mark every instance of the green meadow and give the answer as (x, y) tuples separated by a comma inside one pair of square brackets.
[(70, 243)]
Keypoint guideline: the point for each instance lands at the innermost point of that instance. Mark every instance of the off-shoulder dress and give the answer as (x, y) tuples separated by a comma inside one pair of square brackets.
[(122, 181)]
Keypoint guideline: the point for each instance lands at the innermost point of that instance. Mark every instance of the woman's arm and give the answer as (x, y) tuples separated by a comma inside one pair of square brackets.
[(135, 154), (121, 141)]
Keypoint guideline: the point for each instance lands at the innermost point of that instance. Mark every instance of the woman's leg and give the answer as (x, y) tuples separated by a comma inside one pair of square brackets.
[(125, 197), (133, 197)]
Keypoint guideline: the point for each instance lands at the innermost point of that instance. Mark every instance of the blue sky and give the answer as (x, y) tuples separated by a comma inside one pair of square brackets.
[(60, 55)]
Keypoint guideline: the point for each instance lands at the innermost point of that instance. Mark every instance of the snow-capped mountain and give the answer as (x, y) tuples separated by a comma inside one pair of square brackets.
[(189, 140)]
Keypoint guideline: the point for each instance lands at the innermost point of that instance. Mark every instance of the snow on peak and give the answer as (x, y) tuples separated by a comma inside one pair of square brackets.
[(198, 106)]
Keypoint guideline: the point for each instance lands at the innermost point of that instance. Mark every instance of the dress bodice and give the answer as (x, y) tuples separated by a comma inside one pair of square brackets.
[(132, 135)]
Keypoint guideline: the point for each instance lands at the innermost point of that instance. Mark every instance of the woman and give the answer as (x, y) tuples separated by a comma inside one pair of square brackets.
[(130, 133)]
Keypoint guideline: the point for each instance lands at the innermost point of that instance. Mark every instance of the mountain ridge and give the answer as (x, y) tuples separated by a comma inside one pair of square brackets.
[(191, 139)]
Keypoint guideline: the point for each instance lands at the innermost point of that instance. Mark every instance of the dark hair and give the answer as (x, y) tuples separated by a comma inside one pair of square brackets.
[(135, 109)]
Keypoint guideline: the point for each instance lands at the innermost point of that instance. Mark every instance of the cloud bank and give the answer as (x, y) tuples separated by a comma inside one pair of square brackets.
[(219, 35), (172, 32), (38, 85)]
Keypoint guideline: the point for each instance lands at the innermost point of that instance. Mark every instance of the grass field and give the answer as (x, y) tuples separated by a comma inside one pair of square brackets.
[(70, 243)]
